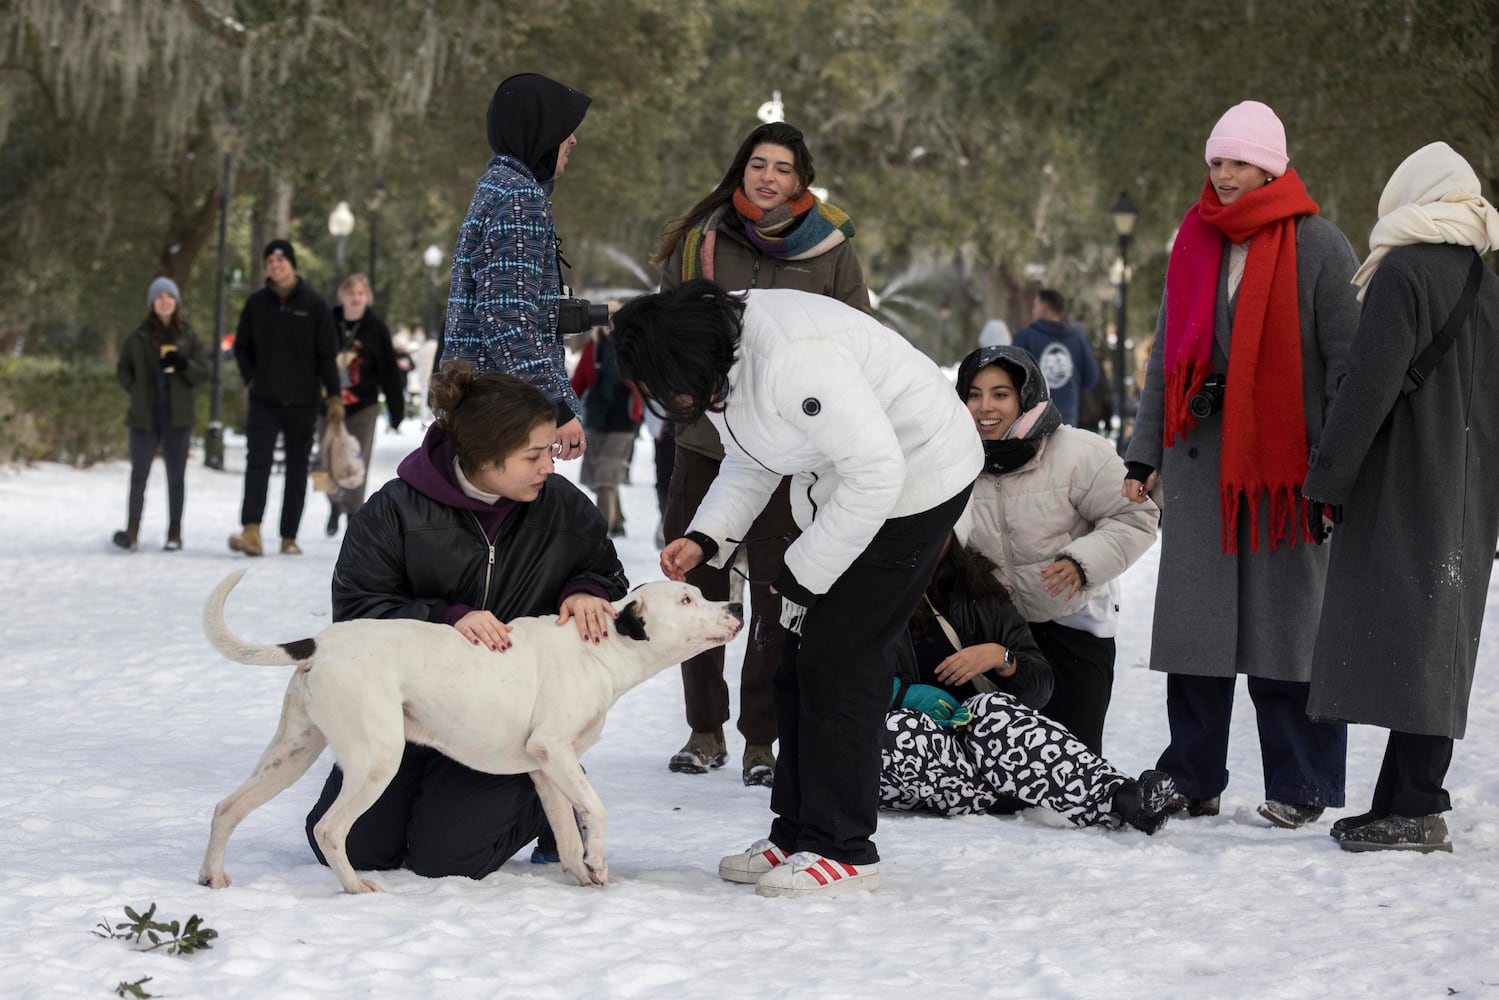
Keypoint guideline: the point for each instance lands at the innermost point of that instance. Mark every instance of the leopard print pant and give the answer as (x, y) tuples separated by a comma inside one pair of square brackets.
[(1008, 749)]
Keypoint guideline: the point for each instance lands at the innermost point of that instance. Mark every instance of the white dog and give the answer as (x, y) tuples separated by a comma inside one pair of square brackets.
[(365, 687)]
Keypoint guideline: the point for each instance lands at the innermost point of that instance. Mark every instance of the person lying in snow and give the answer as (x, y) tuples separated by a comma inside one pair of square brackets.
[(962, 733)]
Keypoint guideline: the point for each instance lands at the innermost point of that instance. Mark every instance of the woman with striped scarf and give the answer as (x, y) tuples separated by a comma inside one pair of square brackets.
[(761, 227)]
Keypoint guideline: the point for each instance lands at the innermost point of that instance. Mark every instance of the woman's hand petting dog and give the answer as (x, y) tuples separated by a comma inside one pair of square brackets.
[(593, 615), (483, 628)]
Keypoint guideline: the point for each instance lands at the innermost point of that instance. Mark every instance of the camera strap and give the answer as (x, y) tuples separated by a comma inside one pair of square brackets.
[(1416, 375)]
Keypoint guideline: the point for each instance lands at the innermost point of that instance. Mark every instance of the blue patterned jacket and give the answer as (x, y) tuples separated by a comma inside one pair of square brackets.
[(502, 304)]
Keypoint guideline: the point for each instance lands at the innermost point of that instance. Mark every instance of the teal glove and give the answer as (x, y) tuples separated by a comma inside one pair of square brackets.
[(941, 707)]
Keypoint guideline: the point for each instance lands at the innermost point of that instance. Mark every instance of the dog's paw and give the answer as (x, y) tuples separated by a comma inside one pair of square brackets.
[(598, 874), (211, 881)]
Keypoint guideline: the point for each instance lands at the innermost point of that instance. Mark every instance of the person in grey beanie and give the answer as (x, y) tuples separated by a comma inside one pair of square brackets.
[(160, 364)]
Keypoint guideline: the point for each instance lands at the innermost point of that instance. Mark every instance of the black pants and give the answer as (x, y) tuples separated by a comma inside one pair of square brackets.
[(174, 443), (1304, 761), (1083, 666), (438, 818), (834, 685), (1410, 779), (295, 425)]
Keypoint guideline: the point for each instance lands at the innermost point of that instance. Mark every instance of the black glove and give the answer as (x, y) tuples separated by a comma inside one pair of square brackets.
[(1320, 518), (174, 360)]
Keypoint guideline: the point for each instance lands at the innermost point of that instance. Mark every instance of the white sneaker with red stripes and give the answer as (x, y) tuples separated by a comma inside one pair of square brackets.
[(809, 874), (747, 867)]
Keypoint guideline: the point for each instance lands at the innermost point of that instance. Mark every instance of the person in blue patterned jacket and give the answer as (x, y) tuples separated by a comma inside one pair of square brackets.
[(502, 304)]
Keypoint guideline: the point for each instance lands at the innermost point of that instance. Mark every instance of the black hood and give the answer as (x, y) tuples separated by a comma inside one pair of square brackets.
[(530, 116), (1015, 360)]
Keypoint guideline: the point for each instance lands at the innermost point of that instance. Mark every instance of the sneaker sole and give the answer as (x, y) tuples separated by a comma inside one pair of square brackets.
[(860, 883), (1363, 846), (739, 877)]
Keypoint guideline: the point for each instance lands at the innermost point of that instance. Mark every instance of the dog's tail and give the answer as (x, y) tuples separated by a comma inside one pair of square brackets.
[(282, 654)]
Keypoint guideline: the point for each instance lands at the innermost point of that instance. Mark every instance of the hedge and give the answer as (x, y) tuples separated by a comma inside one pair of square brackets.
[(59, 411)]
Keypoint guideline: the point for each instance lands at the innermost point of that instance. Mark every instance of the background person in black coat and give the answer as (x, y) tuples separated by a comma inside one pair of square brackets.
[(285, 348), (963, 734), (474, 531)]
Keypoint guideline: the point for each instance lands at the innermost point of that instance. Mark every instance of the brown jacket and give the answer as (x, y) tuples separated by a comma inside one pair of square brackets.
[(737, 266)]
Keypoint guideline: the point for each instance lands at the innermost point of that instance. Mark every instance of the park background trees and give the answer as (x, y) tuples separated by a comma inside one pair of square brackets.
[(978, 144)]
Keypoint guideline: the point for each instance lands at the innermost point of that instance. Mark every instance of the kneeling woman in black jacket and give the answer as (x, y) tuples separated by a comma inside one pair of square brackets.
[(963, 734), (472, 533)]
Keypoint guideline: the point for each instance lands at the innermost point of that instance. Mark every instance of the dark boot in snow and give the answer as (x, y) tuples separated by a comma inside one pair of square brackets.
[(1144, 802)]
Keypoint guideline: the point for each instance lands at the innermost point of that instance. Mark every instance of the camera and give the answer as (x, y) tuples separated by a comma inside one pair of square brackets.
[(1209, 399), (580, 316)]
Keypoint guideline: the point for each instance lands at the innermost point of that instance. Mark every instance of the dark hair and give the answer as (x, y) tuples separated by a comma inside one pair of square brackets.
[(1053, 300), (778, 133), (487, 417), (963, 567), (677, 347), (169, 332)]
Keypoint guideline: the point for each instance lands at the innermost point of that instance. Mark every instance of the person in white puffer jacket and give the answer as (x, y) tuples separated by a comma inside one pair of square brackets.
[(883, 458), (1048, 512)]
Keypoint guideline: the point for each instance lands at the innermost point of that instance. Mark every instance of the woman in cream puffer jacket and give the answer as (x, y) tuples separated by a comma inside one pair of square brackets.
[(1048, 512)]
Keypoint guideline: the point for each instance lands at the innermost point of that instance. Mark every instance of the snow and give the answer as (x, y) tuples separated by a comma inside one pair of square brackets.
[(121, 728)]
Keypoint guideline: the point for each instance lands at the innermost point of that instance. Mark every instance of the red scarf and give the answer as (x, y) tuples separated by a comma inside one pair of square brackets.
[(1264, 416)]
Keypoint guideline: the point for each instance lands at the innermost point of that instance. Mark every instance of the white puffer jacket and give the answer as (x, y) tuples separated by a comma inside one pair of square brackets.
[(869, 426), (1064, 502)]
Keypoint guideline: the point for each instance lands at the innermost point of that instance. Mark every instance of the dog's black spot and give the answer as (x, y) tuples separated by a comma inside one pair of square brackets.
[(629, 623), (301, 650)]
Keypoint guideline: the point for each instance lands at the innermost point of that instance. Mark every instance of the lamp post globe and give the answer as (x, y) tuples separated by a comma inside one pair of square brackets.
[(1124, 214)]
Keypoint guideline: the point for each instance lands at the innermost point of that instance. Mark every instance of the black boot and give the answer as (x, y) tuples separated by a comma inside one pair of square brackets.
[(174, 537), (332, 528), (126, 539), (1144, 802)]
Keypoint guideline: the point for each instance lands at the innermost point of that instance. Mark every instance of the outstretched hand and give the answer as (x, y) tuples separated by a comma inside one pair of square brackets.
[(682, 555)]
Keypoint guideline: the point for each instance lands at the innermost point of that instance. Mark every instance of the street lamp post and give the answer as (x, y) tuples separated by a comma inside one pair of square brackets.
[(432, 257), (340, 225), (1124, 213), (213, 437)]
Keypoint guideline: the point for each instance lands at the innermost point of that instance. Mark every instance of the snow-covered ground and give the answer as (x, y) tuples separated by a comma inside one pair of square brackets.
[(120, 728)]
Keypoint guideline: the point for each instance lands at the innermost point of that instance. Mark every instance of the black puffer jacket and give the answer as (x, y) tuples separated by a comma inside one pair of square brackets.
[(985, 618), (286, 348), (421, 548)]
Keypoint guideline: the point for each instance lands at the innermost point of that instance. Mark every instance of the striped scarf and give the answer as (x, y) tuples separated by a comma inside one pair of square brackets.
[(797, 230)]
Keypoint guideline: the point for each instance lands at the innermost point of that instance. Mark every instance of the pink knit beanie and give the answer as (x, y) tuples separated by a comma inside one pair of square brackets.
[(1250, 132)]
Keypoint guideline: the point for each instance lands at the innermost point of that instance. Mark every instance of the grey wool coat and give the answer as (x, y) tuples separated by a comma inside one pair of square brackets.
[(1418, 479), (1251, 612)]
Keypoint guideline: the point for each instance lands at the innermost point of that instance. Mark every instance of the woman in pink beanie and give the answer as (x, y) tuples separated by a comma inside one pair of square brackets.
[(1251, 342)]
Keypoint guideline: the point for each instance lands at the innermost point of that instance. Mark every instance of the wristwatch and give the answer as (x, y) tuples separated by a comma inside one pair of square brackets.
[(1009, 661)]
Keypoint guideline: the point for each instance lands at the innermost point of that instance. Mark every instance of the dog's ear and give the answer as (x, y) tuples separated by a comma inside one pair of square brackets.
[(629, 623)]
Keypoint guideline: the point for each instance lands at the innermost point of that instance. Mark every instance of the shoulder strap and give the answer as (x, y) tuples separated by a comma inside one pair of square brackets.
[(1443, 341)]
